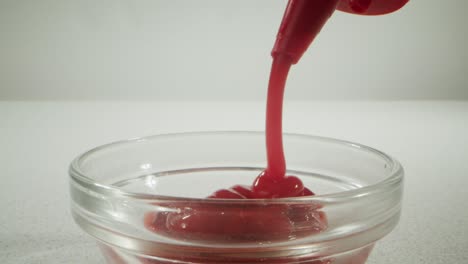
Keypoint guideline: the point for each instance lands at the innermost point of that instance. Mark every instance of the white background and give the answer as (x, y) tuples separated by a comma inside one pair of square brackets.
[(219, 50)]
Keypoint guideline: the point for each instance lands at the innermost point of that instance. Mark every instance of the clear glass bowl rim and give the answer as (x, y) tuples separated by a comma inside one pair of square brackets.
[(394, 179)]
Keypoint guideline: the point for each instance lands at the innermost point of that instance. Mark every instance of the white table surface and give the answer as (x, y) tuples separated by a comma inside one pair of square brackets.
[(39, 139)]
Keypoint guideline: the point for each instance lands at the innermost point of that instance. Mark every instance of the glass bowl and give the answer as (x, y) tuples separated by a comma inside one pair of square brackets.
[(127, 194)]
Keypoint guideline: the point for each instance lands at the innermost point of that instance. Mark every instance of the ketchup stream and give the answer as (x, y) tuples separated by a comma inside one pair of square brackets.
[(302, 21), (274, 122)]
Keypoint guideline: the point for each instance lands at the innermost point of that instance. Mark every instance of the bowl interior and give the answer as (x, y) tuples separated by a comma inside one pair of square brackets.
[(115, 186)]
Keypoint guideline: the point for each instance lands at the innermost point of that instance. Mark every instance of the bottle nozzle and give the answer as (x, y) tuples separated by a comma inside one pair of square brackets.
[(302, 21)]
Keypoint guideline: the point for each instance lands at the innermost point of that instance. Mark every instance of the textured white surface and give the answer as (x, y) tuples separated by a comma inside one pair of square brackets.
[(38, 140)]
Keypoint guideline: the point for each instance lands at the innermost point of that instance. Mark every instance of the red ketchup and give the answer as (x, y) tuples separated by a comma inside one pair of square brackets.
[(302, 21)]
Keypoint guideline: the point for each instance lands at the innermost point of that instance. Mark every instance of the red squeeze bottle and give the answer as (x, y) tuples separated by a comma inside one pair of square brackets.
[(371, 7), (303, 20)]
